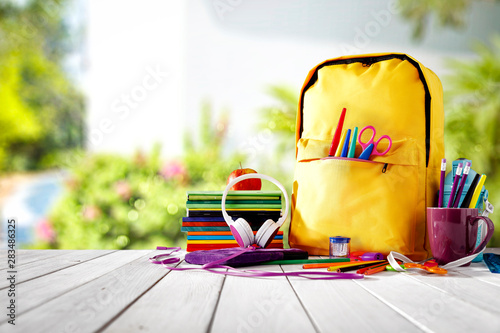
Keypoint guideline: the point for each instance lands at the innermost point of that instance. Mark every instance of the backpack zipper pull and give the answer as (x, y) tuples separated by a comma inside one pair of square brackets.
[(384, 169)]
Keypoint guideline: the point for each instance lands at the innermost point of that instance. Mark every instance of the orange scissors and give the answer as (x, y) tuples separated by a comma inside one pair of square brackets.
[(434, 269)]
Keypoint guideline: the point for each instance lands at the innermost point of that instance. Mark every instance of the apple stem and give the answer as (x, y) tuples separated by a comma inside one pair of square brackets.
[(241, 166)]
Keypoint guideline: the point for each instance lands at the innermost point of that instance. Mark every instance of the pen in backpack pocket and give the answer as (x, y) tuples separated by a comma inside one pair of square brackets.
[(345, 149), (338, 132), (341, 144), (352, 147)]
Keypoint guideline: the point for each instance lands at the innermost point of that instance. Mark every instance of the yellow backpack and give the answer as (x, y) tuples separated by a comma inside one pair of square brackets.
[(381, 203)]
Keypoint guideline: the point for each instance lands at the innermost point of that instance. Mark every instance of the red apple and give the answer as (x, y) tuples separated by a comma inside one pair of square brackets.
[(254, 184)]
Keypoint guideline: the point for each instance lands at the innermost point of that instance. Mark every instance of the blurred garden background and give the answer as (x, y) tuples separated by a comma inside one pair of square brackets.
[(111, 110)]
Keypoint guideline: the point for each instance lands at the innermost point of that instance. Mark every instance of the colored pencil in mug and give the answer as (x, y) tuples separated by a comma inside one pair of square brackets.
[(462, 184), (470, 192), (441, 183), (477, 192), (454, 186)]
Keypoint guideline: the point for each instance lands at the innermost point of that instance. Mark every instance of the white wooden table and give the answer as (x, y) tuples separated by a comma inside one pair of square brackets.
[(120, 291)]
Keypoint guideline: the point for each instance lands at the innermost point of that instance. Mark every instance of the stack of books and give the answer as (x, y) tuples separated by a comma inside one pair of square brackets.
[(205, 225)]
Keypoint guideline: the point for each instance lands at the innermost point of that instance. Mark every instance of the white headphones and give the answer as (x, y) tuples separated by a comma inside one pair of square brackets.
[(240, 228)]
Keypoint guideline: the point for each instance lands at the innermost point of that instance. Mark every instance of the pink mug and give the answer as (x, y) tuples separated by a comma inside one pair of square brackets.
[(453, 233)]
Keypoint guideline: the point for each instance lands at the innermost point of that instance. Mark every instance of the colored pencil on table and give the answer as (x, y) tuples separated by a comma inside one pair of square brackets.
[(354, 264), (363, 270), (359, 267), (375, 270)]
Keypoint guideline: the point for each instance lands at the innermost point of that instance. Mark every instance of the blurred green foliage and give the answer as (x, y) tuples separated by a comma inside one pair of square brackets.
[(472, 116), (41, 113), (278, 122), (117, 202), (447, 13)]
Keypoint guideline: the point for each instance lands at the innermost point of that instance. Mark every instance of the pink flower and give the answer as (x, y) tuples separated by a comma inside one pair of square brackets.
[(44, 231), (91, 212), (174, 170), (123, 189)]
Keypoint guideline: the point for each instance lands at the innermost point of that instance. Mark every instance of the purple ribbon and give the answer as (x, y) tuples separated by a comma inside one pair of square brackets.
[(210, 267)]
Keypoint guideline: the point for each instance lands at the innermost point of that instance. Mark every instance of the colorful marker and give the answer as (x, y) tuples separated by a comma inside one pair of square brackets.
[(341, 144), (345, 149), (454, 186), (477, 192), (441, 183), (352, 147), (462, 184), (338, 132), (470, 192), (365, 155)]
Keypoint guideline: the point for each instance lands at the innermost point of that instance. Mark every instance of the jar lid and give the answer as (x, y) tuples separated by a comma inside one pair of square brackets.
[(339, 239)]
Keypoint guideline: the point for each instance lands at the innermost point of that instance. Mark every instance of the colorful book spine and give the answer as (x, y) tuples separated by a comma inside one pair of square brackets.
[(206, 228)]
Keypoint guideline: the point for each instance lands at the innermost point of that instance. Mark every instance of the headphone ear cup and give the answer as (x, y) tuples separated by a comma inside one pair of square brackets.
[(242, 232), (266, 233)]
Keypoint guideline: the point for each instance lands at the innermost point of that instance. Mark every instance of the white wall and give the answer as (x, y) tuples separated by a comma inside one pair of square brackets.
[(135, 80), (227, 52)]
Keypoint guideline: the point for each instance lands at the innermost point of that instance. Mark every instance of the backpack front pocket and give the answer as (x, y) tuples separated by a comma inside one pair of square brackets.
[(373, 203)]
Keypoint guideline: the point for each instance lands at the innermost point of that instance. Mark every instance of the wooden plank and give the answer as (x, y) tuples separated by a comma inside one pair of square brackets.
[(344, 306), (90, 306), (495, 250), (43, 267), (260, 305), (474, 284), (180, 302), (24, 257), (427, 307), (43, 289), (480, 271)]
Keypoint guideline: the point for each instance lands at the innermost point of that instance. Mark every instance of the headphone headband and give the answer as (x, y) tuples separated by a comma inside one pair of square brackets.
[(227, 218)]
